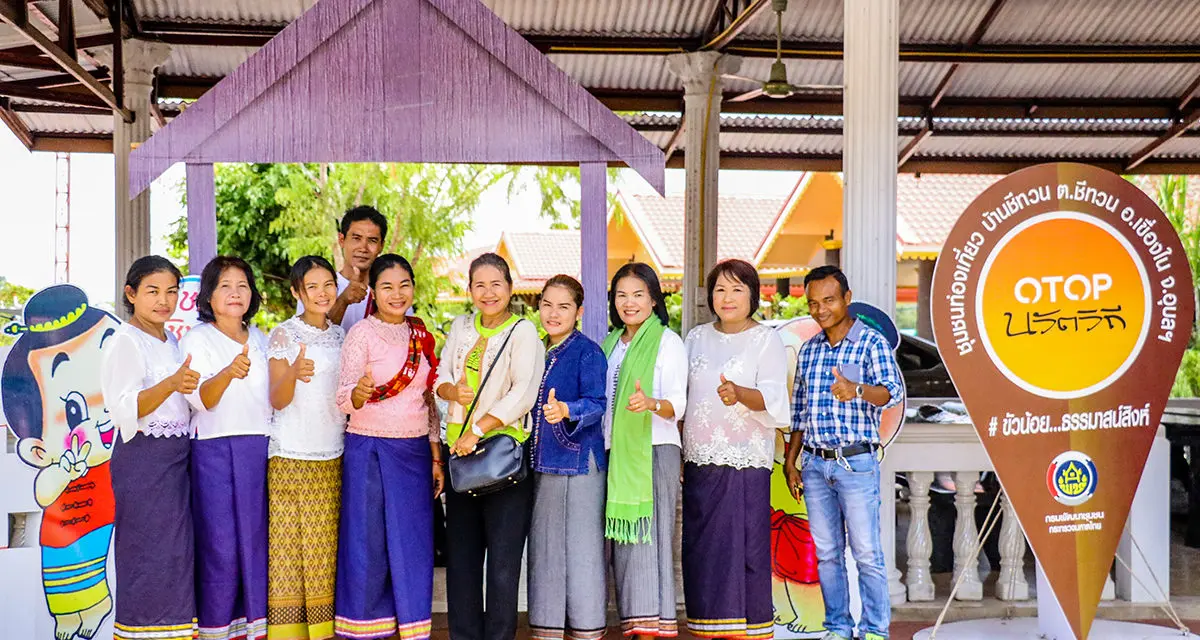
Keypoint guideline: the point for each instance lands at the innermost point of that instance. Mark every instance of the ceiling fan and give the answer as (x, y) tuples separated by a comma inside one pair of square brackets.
[(777, 85)]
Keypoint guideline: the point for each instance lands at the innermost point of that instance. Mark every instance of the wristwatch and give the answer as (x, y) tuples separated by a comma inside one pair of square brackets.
[(476, 430), (858, 391), (657, 406)]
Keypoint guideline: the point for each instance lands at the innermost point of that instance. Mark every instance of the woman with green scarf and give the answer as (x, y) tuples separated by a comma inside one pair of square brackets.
[(647, 392)]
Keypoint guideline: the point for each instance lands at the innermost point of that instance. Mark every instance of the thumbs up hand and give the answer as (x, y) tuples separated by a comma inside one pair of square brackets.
[(464, 393), (356, 291), (638, 402), (303, 367), (240, 367), (185, 380), (843, 390), (555, 411), (363, 390), (727, 391)]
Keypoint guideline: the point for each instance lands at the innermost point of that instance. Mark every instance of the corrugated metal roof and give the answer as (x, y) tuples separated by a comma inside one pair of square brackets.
[(207, 62), (609, 17), (68, 124), (1058, 147), (781, 143), (648, 73), (1096, 22), (234, 11), (1157, 80)]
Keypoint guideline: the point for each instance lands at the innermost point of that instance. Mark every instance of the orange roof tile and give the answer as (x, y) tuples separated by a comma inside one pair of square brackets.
[(743, 222), (928, 206)]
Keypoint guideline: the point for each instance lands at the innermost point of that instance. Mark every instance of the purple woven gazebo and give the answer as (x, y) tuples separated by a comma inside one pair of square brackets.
[(400, 81)]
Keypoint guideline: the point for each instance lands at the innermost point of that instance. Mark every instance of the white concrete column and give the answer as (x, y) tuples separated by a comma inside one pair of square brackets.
[(965, 535), (920, 540), (870, 68), (701, 75), (1011, 584), (141, 57)]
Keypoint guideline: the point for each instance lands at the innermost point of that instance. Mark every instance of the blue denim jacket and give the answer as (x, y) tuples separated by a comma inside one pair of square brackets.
[(575, 369)]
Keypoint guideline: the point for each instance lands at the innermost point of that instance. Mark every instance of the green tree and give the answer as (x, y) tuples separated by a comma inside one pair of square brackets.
[(12, 298), (1171, 193), (272, 214), (559, 188)]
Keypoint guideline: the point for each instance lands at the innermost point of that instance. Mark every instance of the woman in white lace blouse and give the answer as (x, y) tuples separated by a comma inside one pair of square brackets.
[(304, 473), (737, 398), (144, 379)]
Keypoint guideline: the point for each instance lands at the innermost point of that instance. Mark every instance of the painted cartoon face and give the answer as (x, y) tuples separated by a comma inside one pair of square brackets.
[(73, 411)]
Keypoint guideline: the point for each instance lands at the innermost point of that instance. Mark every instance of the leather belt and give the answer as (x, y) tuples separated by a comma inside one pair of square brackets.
[(845, 452)]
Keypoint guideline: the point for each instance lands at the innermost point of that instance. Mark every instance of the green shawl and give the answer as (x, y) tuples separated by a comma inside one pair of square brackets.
[(630, 504)]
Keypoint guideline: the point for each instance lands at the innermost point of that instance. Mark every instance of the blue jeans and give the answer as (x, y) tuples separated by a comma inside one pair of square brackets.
[(842, 500)]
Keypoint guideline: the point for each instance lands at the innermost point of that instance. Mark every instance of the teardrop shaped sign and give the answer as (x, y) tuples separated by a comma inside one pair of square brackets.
[(1062, 305)]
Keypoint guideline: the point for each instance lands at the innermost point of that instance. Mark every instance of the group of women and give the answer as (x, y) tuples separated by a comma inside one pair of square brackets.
[(282, 486)]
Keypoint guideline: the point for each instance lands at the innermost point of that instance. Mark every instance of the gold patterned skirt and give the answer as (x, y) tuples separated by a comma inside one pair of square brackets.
[(304, 501)]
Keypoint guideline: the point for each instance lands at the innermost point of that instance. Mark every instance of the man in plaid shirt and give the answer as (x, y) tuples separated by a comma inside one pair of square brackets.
[(845, 377)]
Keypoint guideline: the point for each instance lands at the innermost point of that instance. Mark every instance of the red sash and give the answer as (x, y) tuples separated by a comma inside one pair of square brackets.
[(420, 342)]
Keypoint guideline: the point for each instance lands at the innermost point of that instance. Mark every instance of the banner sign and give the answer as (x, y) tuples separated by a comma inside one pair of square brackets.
[(1062, 304), (186, 315)]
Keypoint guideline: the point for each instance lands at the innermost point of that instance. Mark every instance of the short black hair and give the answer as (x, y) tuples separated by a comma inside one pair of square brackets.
[(490, 259), (739, 270), (211, 277), (364, 212), (387, 261), (142, 268), (645, 273), (306, 264), (828, 271)]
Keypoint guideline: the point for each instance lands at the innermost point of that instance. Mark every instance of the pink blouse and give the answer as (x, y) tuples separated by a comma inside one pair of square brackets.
[(408, 414)]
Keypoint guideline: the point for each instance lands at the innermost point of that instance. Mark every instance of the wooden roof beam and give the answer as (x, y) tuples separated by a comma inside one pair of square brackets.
[(944, 85), (909, 52), (1176, 130), (19, 20), (15, 124), (736, 26)]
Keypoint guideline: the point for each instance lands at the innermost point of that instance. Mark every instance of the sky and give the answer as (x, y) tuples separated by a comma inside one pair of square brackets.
[(27, 193)]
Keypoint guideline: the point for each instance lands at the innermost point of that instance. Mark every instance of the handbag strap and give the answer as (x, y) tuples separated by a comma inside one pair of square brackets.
[(486, 376)]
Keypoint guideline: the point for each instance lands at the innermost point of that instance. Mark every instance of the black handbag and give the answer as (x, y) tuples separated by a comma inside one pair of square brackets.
[(498, 461)]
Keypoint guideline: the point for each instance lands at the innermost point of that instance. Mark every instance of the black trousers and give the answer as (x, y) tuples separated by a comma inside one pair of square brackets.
[(495, 526)]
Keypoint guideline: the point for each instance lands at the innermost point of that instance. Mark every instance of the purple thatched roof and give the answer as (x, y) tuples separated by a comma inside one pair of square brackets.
[(397, 81)]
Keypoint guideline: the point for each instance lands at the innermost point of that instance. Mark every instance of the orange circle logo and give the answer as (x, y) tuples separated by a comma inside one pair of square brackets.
[(1063, 306)]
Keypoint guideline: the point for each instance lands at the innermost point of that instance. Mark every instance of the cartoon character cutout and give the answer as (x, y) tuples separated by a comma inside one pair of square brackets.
[(50, 389), (795, 585)]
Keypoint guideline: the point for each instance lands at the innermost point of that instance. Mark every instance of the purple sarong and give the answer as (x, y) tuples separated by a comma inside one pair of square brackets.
[(726, 551), (153, 548), (229, 505)]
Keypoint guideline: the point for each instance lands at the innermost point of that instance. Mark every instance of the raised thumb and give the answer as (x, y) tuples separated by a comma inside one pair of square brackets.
[(838, 374), (368, 375), (551, 399), (637, 385), (187, 362), (246, 349), (302, 348), (723, 380)]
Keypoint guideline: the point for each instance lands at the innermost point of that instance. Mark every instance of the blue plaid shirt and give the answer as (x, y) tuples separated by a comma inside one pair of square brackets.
[(863, 356)]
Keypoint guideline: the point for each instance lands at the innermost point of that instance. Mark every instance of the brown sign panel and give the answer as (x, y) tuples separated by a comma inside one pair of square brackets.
[(1062, 304)]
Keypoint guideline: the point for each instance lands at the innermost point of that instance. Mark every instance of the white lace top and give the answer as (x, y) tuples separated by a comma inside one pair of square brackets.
[(311, 427), (734, 436), (133, 362)]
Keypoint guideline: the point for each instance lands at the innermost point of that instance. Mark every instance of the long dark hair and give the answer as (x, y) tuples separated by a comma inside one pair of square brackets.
[(645, 273)]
